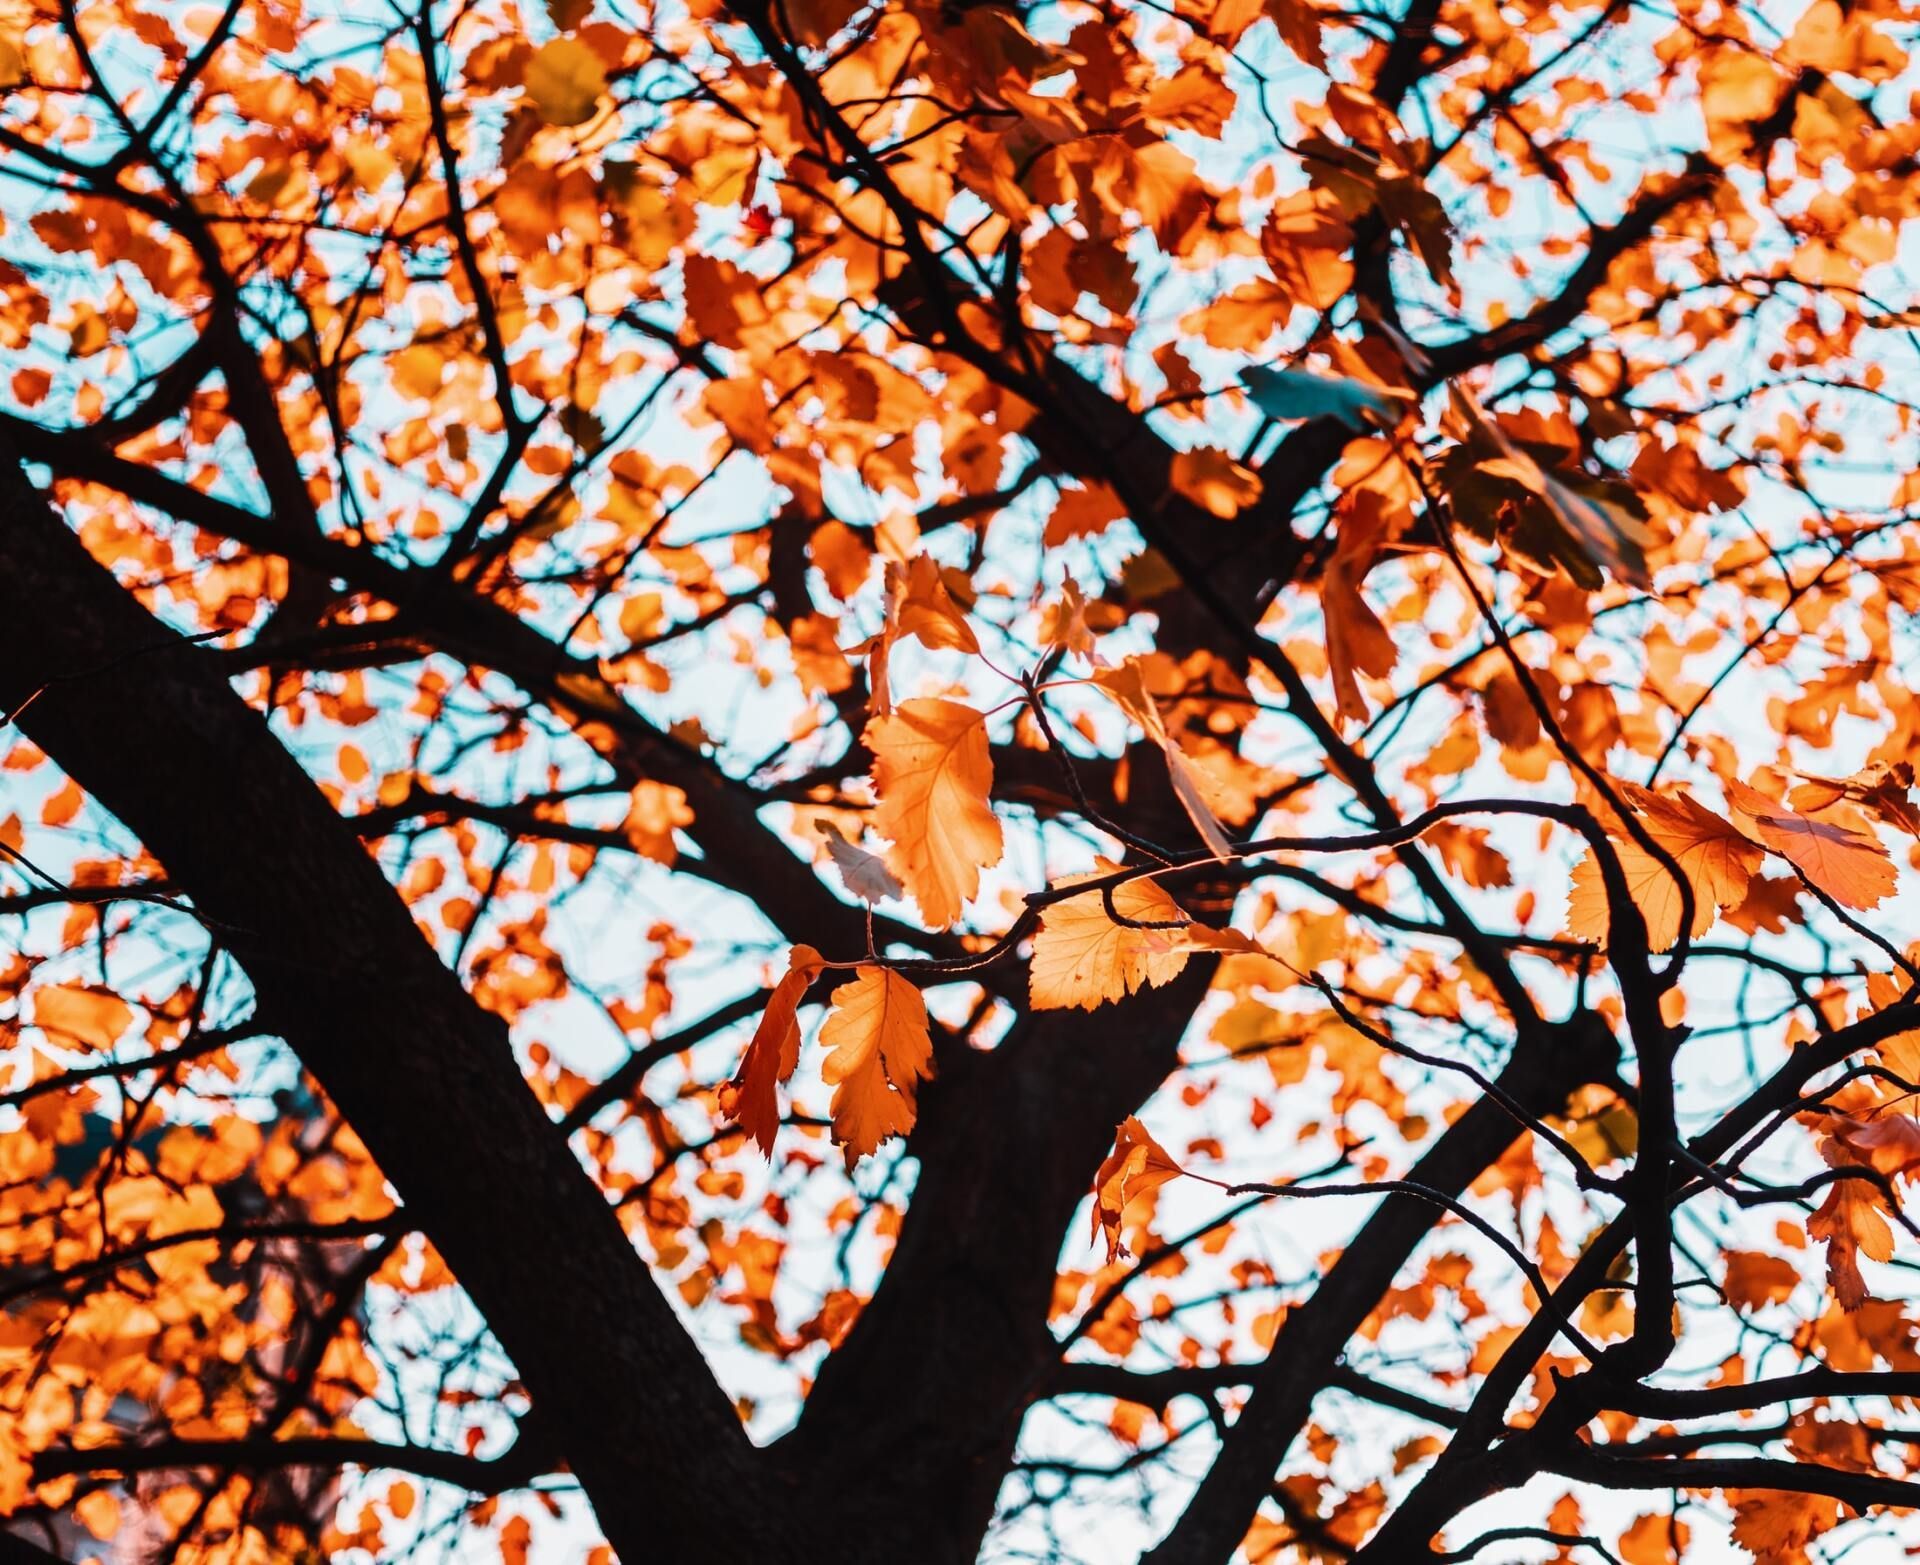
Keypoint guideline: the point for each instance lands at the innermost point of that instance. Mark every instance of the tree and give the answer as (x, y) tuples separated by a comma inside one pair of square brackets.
[(823, 782)]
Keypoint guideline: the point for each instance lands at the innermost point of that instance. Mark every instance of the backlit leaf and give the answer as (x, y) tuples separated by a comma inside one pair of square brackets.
[(77, 1017), (1716, 859), (773, 1052), (1081, 957), (932, 773), (879, 1052), (1215, 482), (1852, 1220), (1848, 866), (927, 610), (1137, 1166)]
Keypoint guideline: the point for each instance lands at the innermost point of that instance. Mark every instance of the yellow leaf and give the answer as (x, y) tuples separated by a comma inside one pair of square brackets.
[(750, 1097), (1602, 1135), (880, 1052), (1082, 958), (932, 772), (564, 80)]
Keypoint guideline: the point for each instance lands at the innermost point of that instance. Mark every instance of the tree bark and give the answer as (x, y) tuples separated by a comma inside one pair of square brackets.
[(424, 1075), (913, 1421)]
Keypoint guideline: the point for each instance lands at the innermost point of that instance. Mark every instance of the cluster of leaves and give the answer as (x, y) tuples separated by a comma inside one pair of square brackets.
[(724, 661)]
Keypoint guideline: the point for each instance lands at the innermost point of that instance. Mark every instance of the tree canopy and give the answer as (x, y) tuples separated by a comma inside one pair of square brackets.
[(806, 781)]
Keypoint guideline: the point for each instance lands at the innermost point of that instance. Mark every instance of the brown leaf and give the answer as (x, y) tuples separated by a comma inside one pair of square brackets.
[(1137, 1166), (565, 79)]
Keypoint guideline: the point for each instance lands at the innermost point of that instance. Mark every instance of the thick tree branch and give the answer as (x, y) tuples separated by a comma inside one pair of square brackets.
[(424, 1075), (527, 1459)]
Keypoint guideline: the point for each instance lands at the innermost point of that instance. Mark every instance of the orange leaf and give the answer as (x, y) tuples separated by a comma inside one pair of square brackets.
[(99, 1513), (1775, 1526), (1738, 86), (1063, 623), (750, 1097), (1887, 1143), (932, 772), (64, 805), (1215, 482), (1755, 1278), (565, 79), (1850, 1222), (74, 1015), (1229, 942), (1082, 511), (1127, 686), (1885, 790), (1356, 640), (1654, 1540), (927, 609), (843, 557), (1082, 958), (1716, 858), (1851, 868), (1137, 1165), (880, 1053), (722, 300)]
